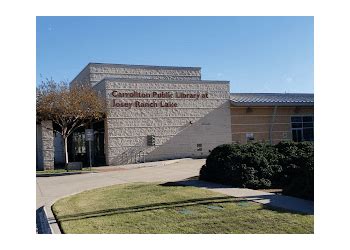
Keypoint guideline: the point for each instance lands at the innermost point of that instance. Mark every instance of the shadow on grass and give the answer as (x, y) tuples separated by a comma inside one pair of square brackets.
[(278, 203), (150, 207), (284, 210), (193, 182)]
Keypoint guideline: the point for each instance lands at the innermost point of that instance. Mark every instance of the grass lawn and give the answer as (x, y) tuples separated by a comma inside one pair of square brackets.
[(155, 208)]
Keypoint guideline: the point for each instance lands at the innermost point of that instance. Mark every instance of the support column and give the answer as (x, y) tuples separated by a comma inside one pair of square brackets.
[(48, 151)]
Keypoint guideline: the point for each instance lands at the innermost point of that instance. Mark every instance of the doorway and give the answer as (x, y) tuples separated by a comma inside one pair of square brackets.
[(78, 147)]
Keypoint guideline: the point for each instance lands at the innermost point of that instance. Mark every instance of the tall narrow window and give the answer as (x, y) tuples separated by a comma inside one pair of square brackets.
[(302, 128), (79, 142)]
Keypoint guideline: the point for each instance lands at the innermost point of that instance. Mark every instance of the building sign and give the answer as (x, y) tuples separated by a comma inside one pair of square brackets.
[(89, 135), (153, 95)]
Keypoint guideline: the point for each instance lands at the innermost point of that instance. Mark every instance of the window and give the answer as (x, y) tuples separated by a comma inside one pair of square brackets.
[(79, 142), (199, 147), (249, 137), (302, 128)]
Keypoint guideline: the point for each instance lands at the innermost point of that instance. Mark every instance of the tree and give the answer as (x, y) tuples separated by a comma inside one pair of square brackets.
[(68, 107)]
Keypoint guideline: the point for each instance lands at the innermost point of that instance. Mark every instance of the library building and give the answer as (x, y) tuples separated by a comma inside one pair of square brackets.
[(163, 112)]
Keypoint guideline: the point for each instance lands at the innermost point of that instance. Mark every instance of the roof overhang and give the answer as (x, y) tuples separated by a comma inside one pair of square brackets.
[(270, 104)]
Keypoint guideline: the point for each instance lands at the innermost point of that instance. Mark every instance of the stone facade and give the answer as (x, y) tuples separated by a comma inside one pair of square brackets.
[(45, 145), (95, 72), (191, 129)]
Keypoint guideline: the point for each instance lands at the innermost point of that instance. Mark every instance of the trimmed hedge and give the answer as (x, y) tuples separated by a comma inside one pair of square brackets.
[(287, 165), (297, 160)]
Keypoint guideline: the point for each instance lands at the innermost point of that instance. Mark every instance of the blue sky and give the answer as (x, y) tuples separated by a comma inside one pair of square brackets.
[(256, 54)]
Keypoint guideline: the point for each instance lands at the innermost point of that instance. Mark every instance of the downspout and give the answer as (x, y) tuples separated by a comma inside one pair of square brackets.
[(272, 122)]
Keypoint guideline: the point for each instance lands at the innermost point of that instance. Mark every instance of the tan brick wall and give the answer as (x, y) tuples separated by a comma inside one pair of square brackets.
[(258, 120)]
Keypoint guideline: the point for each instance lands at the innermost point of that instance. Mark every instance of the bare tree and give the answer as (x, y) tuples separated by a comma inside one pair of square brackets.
[(68, 107)]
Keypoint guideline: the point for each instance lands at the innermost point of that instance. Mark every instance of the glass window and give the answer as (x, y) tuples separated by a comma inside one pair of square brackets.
[(308, 119), (302, 128), (297, 125), (79, 142), (296, 119), (308, 125), (308, 134), (297, 136)]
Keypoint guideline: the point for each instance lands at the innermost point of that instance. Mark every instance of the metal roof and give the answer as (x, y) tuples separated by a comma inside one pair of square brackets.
[(272, 99)]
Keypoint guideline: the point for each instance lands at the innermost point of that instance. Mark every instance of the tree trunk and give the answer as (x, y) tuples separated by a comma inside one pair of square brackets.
[(65, 152)]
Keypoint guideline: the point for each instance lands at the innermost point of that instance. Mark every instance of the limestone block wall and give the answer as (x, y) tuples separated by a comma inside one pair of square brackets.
[(191, 129), (95, 72), (45, 145)]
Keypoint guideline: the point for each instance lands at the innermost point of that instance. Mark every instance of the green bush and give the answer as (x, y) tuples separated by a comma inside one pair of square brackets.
[(297, 160), (287, 165), (250, 165)]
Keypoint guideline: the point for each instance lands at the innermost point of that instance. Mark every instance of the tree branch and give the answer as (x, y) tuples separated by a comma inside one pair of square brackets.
[(72, 129)]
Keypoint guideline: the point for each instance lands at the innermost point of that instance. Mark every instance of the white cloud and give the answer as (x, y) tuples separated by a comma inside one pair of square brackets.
[(219, 74), (289, 79)]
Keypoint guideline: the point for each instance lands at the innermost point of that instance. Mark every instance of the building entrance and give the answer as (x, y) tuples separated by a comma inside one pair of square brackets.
[(78, 147)]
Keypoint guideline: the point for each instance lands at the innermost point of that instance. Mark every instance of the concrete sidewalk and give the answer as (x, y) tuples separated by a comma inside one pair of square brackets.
[(269, 199)]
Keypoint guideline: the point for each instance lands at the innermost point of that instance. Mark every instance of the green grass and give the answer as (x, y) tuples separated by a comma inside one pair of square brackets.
[(153, 208)]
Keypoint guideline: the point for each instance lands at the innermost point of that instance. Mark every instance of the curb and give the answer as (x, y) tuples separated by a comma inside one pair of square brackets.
[(55, 229), (63, 174), (42, 224)]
